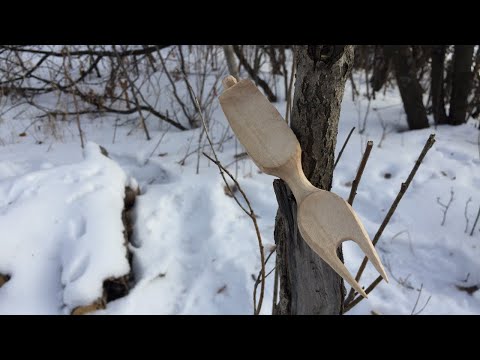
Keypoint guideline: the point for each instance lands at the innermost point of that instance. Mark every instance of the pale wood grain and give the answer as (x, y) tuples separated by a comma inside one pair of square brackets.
[(325, 219)]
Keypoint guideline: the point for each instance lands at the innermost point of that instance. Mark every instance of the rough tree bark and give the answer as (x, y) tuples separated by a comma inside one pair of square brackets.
[(437, 84), (461, 83), (307, 284), (410, 89)]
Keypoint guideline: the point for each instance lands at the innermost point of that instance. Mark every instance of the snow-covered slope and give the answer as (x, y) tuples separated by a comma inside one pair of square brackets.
[(194, 250), (61, 233)]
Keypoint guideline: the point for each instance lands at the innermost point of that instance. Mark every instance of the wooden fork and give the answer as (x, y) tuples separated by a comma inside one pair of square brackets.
[(324, 219)]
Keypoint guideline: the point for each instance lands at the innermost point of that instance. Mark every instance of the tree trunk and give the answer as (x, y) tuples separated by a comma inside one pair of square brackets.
[(307, 284), (437, 84), (410, 89), (421, 54), (380, 69), (461, 83), (474, 106)]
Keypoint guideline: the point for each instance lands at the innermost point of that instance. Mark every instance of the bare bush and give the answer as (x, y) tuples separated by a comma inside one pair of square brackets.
[(64, 82)]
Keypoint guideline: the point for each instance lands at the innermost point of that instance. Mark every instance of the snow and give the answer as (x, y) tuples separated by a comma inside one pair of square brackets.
[(64, 233), (194, 250)]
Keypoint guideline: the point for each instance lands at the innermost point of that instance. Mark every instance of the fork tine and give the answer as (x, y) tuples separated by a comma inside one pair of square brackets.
[(366, 245), (325, 221), (340, 268)]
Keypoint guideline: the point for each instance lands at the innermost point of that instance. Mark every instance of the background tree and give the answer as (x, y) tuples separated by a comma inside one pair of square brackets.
[(461, 83), (381, 67), (437, 84), (408, 84)]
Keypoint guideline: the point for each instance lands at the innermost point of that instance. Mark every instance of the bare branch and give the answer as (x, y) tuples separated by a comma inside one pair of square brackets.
[(391, 211), (416, 302), (445, 206), (343, 147), (143, 51), (359, 298), (475, 223), (467, 219), (133, 89), (358, 177)]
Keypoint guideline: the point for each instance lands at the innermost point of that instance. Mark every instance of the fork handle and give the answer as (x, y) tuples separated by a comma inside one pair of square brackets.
[(292, 173)]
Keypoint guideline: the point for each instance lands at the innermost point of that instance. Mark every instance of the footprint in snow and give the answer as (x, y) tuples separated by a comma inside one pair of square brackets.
[(83, 191), (76, 269), (77, 228)]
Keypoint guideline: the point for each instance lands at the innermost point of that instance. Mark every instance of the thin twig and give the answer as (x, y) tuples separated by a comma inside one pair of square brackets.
[(416, 302), (175, 93), (418, 298), (102, 52), (258, 280), (445, 206), (424, 306), (362, 130), (75, 103), (358, 177), (467, 220), (223, 169), (158, 143), (270, 272), (409, 239), (190, 153), (133, 89), (200, 146), (115, 130), (250, 212), (236, 157), (391, 211), (359, 298), (384, 129), (475, 223), (253, 73), (266, 261), (401, 281), (344, 146)]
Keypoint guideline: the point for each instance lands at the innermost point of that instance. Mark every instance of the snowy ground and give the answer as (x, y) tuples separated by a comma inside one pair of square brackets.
[(194, 250)]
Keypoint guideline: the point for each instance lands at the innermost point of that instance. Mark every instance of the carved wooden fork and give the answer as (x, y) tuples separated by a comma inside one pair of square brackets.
[(324, 219)]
